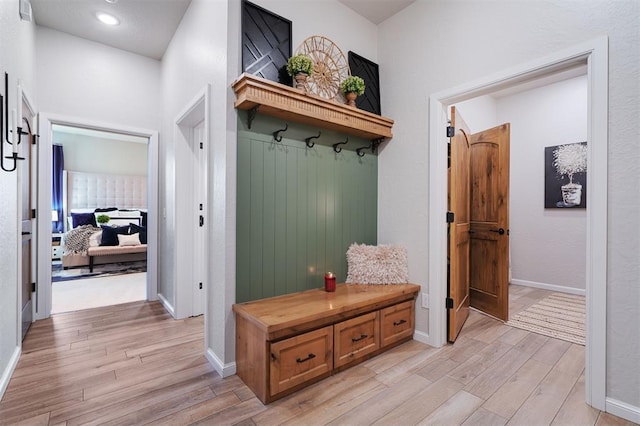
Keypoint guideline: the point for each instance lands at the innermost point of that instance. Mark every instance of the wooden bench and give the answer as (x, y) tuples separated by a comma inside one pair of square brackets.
[(113, 251), (287, 342)]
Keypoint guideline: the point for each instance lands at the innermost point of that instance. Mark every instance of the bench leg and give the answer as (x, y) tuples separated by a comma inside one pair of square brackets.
[(90, 263)]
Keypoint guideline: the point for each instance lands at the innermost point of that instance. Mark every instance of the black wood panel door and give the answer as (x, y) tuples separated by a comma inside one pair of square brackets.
[(368, 71), (266, 43)]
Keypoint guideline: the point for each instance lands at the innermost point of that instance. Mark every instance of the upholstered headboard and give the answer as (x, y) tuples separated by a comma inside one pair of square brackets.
[(95, 190)]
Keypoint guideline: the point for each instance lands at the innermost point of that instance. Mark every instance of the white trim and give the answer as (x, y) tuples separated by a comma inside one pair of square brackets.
[(224, 370), (421, 337), (46, 122), (195, 111), (8, 372), (166, 305), (595, 54), (622, 409), (551, 287)]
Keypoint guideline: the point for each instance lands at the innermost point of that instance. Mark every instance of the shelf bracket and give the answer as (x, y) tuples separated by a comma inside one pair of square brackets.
[(375, 143), (252, 114)]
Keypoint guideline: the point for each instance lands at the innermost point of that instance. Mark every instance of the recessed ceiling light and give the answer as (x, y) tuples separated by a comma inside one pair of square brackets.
[(105, 18)]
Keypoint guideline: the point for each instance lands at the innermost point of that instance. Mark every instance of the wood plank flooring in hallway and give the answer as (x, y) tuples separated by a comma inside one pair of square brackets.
[(134, 364)]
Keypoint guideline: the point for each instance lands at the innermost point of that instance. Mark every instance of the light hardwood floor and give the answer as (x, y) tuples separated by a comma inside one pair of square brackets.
[(133, 364)]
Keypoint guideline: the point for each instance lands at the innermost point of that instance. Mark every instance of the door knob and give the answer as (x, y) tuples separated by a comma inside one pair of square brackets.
[(499, 231)]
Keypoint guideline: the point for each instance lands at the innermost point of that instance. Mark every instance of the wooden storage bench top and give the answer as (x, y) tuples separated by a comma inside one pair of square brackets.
[(287, 315)]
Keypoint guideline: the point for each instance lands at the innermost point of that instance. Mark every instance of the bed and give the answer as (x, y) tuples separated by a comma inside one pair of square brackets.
[(121, 200)]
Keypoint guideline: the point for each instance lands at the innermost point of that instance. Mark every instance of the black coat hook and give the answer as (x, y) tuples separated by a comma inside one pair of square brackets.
[(308, 140), (362, 148), (337, 148), (276, 134)]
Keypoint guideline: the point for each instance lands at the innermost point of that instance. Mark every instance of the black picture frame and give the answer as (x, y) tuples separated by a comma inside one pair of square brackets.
[(557, 197), (370, 73), (266, 43)]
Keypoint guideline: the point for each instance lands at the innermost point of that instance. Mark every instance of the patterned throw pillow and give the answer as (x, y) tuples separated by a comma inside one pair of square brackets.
[(383, 264)]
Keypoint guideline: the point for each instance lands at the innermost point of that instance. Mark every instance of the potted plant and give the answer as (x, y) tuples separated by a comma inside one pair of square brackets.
[(352, 87), (300, 67), (569, 160), (102, 219)]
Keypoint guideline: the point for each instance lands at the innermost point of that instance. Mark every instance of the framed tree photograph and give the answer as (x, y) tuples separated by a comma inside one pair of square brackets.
[(565, 176)]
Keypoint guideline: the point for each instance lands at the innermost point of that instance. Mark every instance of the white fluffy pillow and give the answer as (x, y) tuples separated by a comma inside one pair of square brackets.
[(383, 264), (95, 238), (129, 240)]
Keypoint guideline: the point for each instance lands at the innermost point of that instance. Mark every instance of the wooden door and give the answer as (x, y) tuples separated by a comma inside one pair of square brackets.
[(459, 205), (489, 248), (25, 170)]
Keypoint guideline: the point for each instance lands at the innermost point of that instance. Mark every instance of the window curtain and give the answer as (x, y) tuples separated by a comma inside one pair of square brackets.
[(56, 202)]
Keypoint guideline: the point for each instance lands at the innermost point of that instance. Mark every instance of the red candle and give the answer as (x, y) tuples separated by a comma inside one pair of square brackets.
[(329, 281)]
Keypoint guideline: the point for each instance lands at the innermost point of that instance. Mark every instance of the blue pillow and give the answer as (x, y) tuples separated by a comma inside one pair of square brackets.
[(141, 230), (79, 219), (110, 234)]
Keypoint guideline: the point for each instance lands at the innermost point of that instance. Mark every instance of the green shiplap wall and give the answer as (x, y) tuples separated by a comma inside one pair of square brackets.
[(299, 209)]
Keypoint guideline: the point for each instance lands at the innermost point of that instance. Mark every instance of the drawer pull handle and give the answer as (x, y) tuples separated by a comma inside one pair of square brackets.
[(399, 322), (311, 356), (357, 339)]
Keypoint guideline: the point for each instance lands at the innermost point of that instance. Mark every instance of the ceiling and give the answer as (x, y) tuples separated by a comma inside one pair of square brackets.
[(147, 26), (377, 10)]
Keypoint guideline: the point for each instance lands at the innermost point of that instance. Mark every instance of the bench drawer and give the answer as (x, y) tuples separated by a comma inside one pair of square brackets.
[(396, 322), (298, 359), (356, 338)]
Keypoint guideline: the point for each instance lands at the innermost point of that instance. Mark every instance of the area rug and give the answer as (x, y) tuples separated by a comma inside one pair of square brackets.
[(560, 316), (106, 270)]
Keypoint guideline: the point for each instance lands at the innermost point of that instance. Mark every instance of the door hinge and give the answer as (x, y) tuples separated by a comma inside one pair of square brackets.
[(201, 145), (33, 213), (200, 286), (451, 131), (201, 220), (34, 139), (449, 303), (33, 287), (200, 206), (450, 217)]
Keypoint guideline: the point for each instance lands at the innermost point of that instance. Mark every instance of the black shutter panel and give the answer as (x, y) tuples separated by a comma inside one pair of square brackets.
[(369, 71), (266, 43)]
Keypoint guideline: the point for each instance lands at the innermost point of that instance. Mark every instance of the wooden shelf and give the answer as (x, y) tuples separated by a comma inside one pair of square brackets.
[(268, 97)]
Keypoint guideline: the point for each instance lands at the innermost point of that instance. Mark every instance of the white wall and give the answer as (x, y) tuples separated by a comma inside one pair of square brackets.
[(17, 59), (451, 43), (99, 155), (548, 246), (82, 79)]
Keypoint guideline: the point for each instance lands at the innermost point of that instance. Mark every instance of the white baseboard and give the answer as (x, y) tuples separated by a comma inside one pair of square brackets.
[(422, 337), (8, 372), (551, 287), (167, 305), (224, 370), (622, 409)]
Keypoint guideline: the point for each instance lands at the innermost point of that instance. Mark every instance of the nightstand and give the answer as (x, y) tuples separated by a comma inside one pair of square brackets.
[(56, 247)]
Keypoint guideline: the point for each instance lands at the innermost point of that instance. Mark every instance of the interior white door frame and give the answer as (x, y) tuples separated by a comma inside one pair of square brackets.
[(595, 54), (43, 309), (194, 113)]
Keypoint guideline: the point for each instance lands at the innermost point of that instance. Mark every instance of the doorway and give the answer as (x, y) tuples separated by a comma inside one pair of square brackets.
[(104, 174), (595, 55), (47, 123)]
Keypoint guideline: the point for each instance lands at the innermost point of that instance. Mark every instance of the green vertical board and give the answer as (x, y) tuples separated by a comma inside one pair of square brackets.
[(299, 209)]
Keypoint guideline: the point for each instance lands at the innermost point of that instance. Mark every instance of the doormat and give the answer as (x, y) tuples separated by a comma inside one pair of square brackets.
[(560, 316), (58, 273)]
